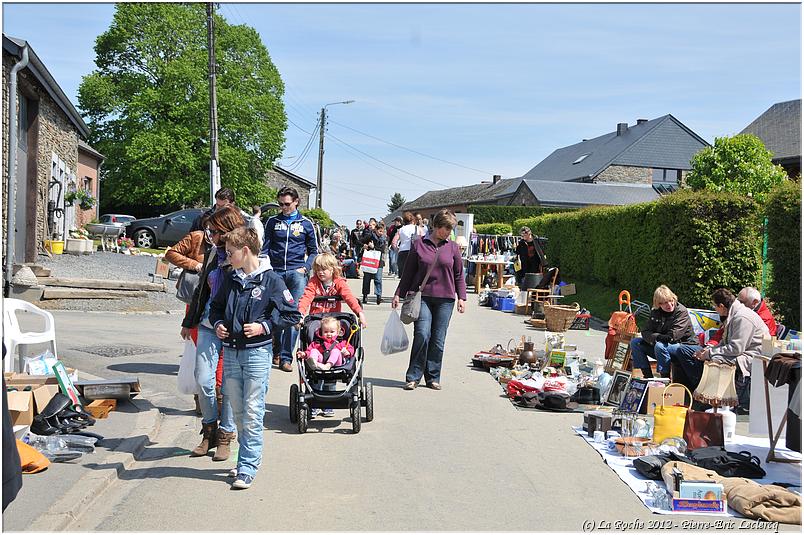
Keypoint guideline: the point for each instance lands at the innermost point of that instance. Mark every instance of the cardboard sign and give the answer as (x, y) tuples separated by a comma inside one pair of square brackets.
[(653, 398)]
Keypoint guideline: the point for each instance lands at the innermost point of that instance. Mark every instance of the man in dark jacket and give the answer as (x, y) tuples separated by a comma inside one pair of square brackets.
[(668, 334), (291, 244), (354, 240)]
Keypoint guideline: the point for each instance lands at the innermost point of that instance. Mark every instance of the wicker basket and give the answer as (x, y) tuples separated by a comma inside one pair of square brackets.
[(558, 318)]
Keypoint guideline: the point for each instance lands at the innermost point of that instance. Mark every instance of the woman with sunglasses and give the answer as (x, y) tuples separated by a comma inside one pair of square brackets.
[(208, 348)]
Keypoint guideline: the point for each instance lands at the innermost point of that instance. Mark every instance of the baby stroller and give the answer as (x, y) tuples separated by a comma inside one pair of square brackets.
[(318, 389)]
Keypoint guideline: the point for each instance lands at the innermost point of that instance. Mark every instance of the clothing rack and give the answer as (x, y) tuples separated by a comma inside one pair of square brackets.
[(491, 243)]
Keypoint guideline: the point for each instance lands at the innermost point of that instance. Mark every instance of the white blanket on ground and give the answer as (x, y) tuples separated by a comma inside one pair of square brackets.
[(759, 446)]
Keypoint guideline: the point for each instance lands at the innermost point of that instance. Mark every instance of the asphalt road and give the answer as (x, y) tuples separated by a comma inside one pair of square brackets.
[(460, 459)]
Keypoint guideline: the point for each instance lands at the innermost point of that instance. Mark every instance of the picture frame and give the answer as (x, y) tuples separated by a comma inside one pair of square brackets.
[(619, 383), (634, 395), (621, 359)]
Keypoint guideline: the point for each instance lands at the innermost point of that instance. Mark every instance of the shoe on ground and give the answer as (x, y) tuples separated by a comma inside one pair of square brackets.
[(243, 481), (411, 385), (315, 412), (435, 385), (741, 411), (379, 300), (286, 367), (275, 361), (329, 413), (232, 473)]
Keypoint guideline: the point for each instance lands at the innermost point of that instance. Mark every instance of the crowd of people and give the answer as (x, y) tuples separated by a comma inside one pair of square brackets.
[(255, 281)]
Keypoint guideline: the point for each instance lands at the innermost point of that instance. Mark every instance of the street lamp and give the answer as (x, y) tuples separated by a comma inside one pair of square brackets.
[(319, 181)]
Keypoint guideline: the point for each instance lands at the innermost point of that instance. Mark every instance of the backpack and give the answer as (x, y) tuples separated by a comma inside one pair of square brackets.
[(728, 463)]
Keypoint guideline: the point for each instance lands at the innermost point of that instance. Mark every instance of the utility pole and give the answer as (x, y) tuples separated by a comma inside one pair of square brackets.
[(319, 180), (214, 170)]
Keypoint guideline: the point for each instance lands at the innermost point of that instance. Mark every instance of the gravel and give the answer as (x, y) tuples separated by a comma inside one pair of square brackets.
[(114, 266)]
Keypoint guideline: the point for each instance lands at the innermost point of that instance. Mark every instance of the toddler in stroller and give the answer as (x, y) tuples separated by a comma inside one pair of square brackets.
[(328, 348)]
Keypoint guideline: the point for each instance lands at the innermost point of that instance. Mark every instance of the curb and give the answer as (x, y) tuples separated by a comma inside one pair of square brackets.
[(69, 508)]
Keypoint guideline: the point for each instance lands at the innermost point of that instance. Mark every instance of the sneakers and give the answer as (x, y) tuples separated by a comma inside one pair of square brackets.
[(232, 473), (243, 481), (410, 385), (315, 412), (435, 385), (329, 413)]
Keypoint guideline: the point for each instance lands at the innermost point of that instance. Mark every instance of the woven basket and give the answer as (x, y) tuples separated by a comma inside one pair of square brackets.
[(558, 318)]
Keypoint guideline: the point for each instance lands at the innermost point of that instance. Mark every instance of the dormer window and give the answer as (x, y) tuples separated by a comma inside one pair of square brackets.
[(581, 158)]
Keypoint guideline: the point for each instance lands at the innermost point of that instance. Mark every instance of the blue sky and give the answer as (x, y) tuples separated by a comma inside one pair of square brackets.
[(495, 88)]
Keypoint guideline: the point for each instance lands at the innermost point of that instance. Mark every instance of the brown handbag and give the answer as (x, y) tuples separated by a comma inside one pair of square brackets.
[(703, 429)]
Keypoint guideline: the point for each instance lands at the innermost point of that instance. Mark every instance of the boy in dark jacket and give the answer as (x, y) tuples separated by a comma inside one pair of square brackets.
[(251, 302)]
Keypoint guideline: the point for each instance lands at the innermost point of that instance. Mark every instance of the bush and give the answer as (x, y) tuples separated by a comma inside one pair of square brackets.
[(784, 251), (508, 214), (319, 216), (493, 228), (693, 242)]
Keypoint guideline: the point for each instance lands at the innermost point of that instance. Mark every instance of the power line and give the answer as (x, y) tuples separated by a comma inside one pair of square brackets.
[(390, 165), (306, 149), (369, 163), (485, 173)]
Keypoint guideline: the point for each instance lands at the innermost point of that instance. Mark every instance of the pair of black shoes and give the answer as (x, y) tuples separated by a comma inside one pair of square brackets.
[(59, 417), (365, 300)]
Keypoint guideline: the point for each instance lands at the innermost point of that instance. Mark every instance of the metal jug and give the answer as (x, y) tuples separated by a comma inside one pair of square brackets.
[(527, 356)]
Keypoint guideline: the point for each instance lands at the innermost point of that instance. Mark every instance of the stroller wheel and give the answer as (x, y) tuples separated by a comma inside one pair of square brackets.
[(354, 409), (369, 402), (303, 415), (293, 405)]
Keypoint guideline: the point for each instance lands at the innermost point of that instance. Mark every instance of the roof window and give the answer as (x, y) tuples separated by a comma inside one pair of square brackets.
[(581, 158)]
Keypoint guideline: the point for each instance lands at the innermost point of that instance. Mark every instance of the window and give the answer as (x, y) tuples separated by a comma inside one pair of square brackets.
[(666, 176), (88, 184), (581, 158)]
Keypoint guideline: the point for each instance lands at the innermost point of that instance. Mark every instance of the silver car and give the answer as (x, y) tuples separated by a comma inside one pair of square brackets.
[(118, 220)]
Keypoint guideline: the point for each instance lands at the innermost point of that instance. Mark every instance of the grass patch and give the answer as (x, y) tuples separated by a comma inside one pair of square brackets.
[(600, 300)]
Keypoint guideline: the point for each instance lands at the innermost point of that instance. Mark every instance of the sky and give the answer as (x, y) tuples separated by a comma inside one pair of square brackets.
[(492, 89)]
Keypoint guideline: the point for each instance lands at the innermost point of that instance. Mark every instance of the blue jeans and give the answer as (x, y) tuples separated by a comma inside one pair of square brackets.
[(246, 373), (429, 333), (206, 364), (295, 282), (393, 254), (662, 352), (377, 278)]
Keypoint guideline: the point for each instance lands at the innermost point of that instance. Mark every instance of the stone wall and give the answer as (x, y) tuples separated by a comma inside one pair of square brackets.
[(277, 180), (54, 133), (524, 197), (621, 174)]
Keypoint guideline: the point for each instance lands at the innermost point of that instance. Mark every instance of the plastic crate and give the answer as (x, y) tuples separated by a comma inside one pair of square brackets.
[(507, 304)]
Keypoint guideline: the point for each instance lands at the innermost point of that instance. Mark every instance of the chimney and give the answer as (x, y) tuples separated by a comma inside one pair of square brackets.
[(496, 178), (641, 121), (622, 128)]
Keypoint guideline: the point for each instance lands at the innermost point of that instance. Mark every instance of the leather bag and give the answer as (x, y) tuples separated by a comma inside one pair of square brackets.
[(728, 463), (668, 422), (703, 429), (186, 286), (412, 302)]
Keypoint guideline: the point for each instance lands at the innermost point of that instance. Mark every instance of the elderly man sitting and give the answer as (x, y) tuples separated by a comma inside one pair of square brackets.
[(743, 330)]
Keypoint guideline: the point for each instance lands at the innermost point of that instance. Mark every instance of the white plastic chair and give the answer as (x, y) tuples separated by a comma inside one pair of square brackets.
[(13, 336)]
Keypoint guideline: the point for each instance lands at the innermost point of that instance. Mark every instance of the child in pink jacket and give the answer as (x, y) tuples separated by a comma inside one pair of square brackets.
[(326, 351)]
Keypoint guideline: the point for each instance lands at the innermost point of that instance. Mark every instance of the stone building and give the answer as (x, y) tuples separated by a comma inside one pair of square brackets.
[(279, 178), (47, 154)]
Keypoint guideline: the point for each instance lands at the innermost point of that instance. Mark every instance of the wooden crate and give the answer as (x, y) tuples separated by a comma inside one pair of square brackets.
[(100, 408)]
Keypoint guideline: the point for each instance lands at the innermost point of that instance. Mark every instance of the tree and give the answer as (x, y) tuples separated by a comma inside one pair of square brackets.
[(397, 200), (320, 216), (740, 164), (147, 106)]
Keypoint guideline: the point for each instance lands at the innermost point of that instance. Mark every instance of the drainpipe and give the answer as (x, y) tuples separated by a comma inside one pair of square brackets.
[(12, 166)]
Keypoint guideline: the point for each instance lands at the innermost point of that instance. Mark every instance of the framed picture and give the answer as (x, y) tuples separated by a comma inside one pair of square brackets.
[(634, 394), (622, 355), (619, 383)]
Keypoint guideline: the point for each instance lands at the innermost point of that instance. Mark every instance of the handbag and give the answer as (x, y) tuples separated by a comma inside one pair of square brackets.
[(370, 263), (703, 429), (668, 422), (728, 463), (186, 286), (650, 466), (412, 303)]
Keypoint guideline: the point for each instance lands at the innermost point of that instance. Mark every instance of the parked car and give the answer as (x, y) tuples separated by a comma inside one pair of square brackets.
[(164, 230), (118, 220)]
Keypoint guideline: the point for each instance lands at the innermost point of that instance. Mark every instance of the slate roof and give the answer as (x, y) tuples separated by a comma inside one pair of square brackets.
[(14, 46), (83, 145), (460, 195), (585, 194), (779, 128), (663, 142)]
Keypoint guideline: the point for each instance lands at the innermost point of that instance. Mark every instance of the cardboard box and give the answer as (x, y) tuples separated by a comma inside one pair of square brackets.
[(21, 407), (653, 398), (697, 506), (568, 289), (701, 490), (15, 379)]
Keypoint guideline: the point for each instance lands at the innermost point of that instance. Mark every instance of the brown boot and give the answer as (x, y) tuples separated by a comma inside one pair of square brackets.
[(209, 431), (223, 451)]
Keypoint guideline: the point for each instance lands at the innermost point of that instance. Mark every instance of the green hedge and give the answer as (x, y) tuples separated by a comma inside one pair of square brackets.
[(493, 228), (693, 242), (784, 251), (508, 214)]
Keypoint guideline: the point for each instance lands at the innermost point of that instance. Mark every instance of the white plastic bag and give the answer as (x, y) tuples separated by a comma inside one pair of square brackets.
[(187, 384), (394, 337)]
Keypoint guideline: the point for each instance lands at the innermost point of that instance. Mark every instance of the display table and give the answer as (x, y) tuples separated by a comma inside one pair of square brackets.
[(484, 266)]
